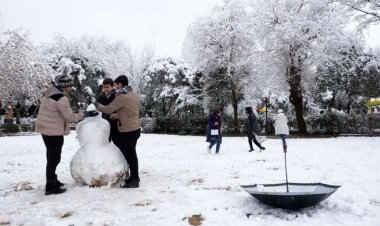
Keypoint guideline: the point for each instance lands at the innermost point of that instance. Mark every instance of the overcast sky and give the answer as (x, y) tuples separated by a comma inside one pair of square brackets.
[(159, 22)]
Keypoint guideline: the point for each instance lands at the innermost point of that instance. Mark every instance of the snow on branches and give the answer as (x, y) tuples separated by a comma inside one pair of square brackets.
[(169, 86), (365, 12), (24, 72)]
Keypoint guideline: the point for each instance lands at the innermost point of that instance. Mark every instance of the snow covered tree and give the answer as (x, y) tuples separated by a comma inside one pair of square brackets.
[(24, 72), (355, 73), (366, 12), (196, 90), (90, 59), (168, 86), (137, 64), (293, 35), (220, 45)]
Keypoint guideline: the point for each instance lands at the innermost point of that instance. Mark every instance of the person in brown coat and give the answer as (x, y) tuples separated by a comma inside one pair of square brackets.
[(53, 122), (127, 106), (9, 115)]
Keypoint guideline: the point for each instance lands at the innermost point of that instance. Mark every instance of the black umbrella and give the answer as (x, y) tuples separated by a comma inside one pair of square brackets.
[(290, 195)]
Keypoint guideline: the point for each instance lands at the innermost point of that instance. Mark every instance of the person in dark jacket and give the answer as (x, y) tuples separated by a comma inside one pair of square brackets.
[(214, 123), (106, 98), (127, 106), (252, 128)]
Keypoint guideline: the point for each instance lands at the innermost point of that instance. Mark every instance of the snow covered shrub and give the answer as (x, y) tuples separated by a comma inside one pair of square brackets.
[(355, 124), (373, 121), (359, 106), (10, 129), (183, 125), (148, 124), (325, 123)]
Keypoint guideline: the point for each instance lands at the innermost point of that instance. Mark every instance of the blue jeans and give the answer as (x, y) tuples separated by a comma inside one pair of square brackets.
[(216, 140), (283, 136)]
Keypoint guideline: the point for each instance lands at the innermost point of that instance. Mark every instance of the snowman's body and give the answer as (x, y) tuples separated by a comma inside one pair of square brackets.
[(97, 162)]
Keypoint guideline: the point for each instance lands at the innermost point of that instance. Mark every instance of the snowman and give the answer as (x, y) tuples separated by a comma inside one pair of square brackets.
[(97, 162)]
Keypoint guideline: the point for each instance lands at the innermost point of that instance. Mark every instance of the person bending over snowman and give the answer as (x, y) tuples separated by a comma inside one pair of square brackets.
[(127, 106)]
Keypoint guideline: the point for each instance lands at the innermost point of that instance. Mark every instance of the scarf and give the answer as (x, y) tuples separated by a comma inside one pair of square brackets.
[(123, 90), (219, 120)]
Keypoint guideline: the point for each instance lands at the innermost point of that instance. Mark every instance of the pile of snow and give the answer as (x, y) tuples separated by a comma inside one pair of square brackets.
[(97, 162)]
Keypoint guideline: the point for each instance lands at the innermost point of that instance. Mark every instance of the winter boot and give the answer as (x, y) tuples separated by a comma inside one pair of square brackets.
[(208, 149), (262, 148), (59, 183), (285, 147), (54, 189), (131, 183), (251, 150)]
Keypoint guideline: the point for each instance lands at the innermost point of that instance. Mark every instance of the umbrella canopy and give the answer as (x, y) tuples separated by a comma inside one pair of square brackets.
[(290, 195)]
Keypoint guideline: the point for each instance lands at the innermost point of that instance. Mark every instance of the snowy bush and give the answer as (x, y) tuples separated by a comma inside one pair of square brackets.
[(373, 121), (148, 124), (184, 125), (325, 123), (336, 122), (355, 124)]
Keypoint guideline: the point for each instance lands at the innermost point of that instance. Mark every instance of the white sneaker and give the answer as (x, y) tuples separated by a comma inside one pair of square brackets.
[(208, 150)]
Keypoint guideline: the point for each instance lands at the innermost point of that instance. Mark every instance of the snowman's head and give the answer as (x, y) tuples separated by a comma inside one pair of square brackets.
[(93, 130)]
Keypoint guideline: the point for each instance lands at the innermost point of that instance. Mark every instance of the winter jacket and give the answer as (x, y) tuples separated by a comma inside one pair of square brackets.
[(104, 100), (8, 112), (281, 124), (127, 106), (211, 125), (55, 114), (251, 124)]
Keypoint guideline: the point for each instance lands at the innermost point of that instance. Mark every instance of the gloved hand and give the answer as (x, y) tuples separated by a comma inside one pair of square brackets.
[(90, 113)]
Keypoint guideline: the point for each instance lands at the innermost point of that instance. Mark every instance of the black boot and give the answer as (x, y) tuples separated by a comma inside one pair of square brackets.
[(262, 148), (59, 183), (54, 189), (251, 150), (131, 183)]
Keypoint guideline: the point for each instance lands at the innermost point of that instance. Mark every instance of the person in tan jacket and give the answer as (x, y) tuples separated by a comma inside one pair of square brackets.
[(127, 106), (53, 122), (9, 115)]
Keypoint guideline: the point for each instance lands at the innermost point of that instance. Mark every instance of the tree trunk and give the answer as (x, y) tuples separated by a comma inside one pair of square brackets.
[(296, 98), (235, 106)]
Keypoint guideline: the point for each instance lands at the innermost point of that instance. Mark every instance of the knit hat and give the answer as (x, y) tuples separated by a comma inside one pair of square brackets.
[(64, 81), (280, 111)]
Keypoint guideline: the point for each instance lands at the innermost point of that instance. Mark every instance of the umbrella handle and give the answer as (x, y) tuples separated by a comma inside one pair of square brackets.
[(286, 174)]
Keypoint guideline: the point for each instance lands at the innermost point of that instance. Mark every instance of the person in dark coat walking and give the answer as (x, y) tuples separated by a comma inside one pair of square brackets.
[(106, 98), (214, 124), (252, 128)]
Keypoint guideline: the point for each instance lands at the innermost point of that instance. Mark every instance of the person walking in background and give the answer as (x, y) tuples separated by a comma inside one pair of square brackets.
[(214, 134), (18, 108), (251, 127), (53, 122), (127, 106), (281, 127), (8, 115), (106, 98)]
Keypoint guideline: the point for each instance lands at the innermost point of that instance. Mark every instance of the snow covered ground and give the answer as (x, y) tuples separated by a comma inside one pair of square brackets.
[(180, 180)]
